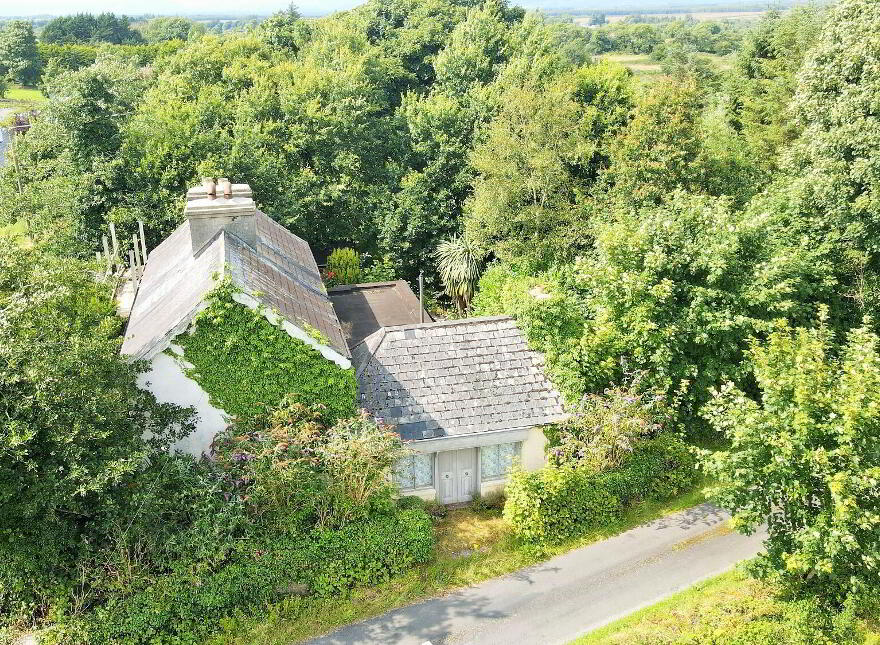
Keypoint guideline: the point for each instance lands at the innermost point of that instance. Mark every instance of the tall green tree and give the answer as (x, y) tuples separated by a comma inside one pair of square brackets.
[(667, 292), (805, 459), (764, 80), (459, 269), (165, 28), (837, 158), (18, 52), (86, 28), (540, 155)]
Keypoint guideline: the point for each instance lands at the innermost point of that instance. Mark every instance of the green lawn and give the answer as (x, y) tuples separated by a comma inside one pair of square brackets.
[(730, 608), (25, 94), (18, 232), (21, 98), (472, 546)]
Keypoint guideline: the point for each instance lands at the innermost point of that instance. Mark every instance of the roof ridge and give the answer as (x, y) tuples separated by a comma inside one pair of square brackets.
[(379, 336), (450, 323)]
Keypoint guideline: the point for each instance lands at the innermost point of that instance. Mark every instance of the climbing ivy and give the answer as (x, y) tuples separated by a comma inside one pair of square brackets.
[(246, 364)]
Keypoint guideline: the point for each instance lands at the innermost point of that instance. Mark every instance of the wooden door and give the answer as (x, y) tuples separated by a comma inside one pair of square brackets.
[(458, 475)]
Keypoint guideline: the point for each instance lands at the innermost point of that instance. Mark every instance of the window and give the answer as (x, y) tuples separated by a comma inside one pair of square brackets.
[(495, 461), (415, 471)]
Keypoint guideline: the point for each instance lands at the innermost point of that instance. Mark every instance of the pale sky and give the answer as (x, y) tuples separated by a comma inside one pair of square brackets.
[(168, 7), (307, 7)]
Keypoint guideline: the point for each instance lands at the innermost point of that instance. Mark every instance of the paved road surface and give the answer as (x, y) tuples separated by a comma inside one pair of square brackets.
[(571, 594)]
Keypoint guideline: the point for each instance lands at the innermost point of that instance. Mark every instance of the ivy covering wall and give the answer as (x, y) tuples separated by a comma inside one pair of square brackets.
[(246, 364)]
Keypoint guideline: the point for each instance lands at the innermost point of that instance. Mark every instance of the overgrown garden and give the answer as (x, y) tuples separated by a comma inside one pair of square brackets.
[(696, 257)]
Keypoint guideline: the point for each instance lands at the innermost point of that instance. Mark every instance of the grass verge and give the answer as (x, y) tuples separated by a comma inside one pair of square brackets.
[(730, 608), (472, 546)]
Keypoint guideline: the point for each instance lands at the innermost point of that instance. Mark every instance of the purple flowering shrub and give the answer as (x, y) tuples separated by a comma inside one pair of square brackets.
[(604, 429)]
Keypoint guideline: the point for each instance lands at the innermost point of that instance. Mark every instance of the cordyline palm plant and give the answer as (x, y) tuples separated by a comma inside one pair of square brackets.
[(459, 269)]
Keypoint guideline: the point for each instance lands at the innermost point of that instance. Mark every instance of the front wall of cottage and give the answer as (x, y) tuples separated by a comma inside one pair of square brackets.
[(531, 443), (169, 384)]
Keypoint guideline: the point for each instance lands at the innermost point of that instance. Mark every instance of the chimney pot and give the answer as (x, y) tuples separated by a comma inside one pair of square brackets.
[(209, 186), (224, 185)]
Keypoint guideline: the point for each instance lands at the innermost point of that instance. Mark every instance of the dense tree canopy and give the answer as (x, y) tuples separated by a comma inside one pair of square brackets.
[(72, 416), (88, 28), (805, 459)]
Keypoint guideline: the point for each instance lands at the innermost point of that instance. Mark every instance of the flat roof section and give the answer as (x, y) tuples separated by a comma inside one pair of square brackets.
[(364, 308)]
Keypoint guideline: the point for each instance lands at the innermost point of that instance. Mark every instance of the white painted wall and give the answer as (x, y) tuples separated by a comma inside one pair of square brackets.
[(533, 455), (427, 494), (169, 384)]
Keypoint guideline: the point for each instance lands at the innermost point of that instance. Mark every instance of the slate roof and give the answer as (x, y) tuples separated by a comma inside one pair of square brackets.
[(280, 272), (364, 308), (454, 378)]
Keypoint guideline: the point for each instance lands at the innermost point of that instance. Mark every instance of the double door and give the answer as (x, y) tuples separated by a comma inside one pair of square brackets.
[(458, 475)]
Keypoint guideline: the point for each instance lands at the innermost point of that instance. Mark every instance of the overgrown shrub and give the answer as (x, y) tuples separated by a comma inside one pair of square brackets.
[(656, 469), (343, 267), (381, 270), (72, 454), (560, 502), (371, 552), (556, 503), (290, 506), (805, 460), (604, 429), (190, 602), (295, 472)]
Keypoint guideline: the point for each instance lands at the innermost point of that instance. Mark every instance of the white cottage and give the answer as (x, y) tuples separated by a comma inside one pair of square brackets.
[(224, 235), (468, 396)]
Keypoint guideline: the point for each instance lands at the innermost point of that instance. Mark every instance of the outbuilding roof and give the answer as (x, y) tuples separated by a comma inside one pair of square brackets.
[(454, 378), (279, 271), (364, 308)]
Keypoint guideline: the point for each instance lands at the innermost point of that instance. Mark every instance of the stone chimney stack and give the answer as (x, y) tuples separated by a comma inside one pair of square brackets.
[(220, 205)]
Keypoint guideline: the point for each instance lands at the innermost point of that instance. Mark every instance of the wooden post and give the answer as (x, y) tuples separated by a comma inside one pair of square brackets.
[(133, 266), (143, 242), (421, 297), (115, 242), (137, 253), (107, 252)]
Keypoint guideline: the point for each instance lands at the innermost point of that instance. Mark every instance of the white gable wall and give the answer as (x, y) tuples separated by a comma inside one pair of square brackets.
[(169, 384)]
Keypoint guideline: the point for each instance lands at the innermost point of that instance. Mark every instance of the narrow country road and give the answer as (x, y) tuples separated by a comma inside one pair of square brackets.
[(571, 594)]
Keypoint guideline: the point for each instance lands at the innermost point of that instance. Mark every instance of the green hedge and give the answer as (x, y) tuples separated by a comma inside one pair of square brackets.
[(186, 605), (247, 365), (559, 502), (355, 556)]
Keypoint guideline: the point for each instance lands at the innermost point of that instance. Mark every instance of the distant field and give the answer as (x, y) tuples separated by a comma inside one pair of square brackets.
[(638, 64), (697, 15), (645, 66)]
